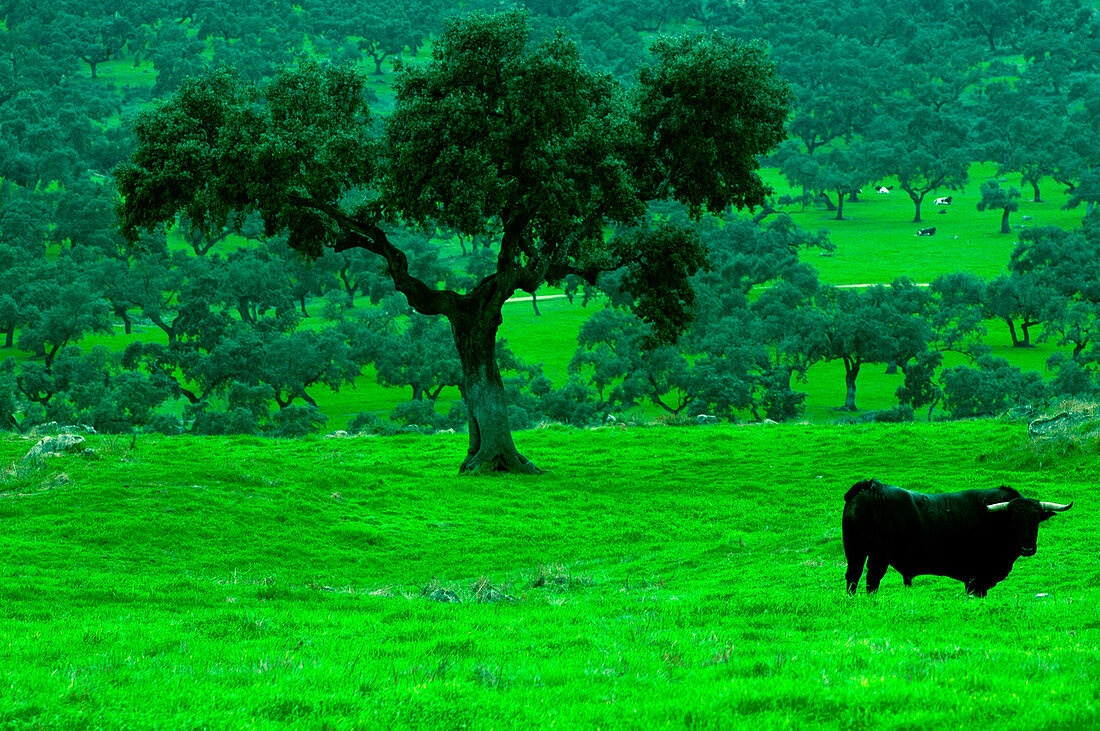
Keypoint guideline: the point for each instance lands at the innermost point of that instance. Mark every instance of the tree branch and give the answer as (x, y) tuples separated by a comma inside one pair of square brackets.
[(425, 299)]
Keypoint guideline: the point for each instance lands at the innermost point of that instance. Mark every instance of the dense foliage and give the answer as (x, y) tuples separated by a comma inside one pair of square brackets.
[(904, 94)]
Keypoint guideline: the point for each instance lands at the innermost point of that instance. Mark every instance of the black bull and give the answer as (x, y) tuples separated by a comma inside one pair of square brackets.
[(973, 536)]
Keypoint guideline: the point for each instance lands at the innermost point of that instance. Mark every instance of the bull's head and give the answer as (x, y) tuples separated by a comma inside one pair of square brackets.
[(1025, 515)]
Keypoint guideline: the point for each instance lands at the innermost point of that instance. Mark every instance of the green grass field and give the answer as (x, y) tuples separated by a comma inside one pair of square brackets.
[(656, 577), (877, 241)]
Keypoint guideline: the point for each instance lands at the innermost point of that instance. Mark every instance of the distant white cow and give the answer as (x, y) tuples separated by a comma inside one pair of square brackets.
[(946, 201), (881, 189)]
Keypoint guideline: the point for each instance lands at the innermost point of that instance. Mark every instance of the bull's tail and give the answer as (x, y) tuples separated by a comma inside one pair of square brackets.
[(871, 484)]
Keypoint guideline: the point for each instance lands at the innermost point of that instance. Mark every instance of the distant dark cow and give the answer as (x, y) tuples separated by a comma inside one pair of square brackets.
[(927, 231), (973, 536), (946, 201)]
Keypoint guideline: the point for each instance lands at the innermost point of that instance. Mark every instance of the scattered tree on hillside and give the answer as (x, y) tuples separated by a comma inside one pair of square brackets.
[(1066, 264), (990, 389), (624, 371), (1018, 299), (920, 388), (872, 325), (923, 148), (176, 55), (957, 314), (996, 198), (407, 349), (96, 34), (1086, 191), (733, 358), (65, 309), (1023, 131), (993, 19), (1072, 322)]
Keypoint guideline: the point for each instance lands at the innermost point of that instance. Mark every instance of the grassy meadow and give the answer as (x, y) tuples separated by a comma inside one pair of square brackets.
[(654, 577), (877, 240)]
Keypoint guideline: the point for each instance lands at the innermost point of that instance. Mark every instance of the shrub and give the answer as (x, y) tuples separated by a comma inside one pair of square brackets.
[(896, 415), (166, 424), (367, 423), (206, 421), (1071, 378), (298, 421), (990, 389), (422, 414)]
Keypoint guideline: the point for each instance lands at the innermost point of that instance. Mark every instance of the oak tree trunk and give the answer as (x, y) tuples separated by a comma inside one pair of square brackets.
[(851, 372), (1025, 326), (491, 446), (1012, 331)]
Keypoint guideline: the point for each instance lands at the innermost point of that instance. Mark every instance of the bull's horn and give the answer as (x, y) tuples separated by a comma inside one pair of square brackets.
[(1055, 506), (997, 507)]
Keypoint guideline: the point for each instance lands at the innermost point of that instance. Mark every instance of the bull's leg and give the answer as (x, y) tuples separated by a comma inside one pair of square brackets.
[(856, 556), (876, 569), (851, 576), (978, 587)]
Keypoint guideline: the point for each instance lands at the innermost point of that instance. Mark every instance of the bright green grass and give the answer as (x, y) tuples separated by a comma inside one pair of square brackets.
[(549, 338), (689, 577), (123, 73), (877, 241)]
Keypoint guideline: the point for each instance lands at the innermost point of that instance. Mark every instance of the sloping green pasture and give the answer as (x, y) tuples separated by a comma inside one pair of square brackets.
[(877, 241), (654, 577)]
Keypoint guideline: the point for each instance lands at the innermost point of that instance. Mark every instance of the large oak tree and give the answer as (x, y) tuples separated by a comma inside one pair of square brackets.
[(495, 135)]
